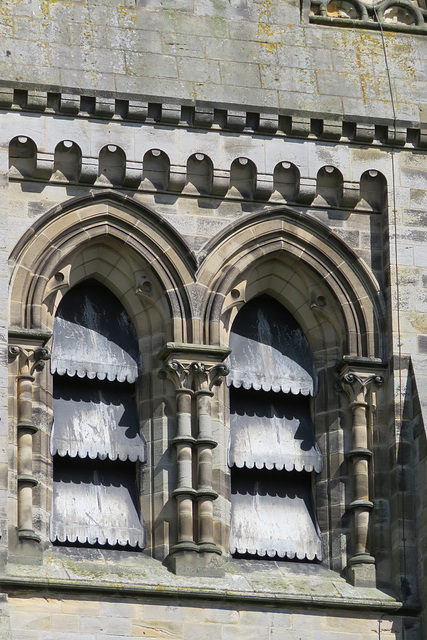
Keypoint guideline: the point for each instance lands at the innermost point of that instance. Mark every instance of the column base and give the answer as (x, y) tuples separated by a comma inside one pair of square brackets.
[(28, 535), (196, 563), (208, 547), (25, 547), (361, 571)]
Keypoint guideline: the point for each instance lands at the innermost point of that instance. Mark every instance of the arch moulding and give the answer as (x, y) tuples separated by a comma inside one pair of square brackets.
[(301, 262), (114, 239)]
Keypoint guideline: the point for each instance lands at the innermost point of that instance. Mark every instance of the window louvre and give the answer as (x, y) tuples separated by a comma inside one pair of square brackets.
[(94, 337), (95, 440), (273, 515), (96, 504), (272, 431), (270, 351), (272, 449), (98, 421)]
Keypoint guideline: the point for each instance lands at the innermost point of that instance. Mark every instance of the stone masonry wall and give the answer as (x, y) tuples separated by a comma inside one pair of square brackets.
[(70, 618), (67, 71), (236, 52)]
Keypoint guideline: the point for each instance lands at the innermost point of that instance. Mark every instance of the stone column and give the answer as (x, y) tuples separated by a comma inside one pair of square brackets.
[(357, 381), (205, 376), (194, 380), (180, 376), (30, 360)]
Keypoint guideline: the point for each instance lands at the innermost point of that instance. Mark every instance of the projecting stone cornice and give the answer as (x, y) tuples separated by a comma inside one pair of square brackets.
[(287, 123)]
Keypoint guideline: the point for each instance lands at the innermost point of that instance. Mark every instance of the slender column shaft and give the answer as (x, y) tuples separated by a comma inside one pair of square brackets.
[(206, 521), (360, 426), (361, 525), (360, 473), (204, 467), (361, 478), (183, 408), (25, 399), (184, 456), (25, 453), (30, 359), (184, 459), (185, 519), (204, 438)]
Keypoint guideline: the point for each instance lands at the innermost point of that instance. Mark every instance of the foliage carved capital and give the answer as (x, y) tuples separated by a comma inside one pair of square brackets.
[(193, 376), (30, 359)]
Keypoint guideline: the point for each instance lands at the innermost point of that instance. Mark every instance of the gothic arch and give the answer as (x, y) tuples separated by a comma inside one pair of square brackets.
[(299, 261), (337, 303), (115, 240)]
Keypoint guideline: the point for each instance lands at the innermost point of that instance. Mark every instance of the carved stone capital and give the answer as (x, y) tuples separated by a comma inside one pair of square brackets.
[(194, 367), (177, 373), (357, 385), (358, 376), (218, 373), (197, 377), (30, 359), (206, 376)]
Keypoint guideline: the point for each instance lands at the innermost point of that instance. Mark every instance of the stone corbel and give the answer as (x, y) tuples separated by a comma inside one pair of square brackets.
[(30, 359), (358, 378), (194, 379)]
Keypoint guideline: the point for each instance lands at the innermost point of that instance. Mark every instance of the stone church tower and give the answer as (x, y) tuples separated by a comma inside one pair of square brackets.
[(213, 265)]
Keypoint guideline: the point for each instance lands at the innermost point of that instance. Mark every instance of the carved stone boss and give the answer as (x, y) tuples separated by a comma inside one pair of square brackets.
[(30, 359), (359, 381), (193, 382)]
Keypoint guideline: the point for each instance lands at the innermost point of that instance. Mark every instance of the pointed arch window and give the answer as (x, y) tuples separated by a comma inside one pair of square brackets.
[(95, 441), (272, 450)]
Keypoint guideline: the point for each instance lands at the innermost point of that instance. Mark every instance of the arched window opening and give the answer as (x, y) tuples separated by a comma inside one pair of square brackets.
[(112, 165), (156, 168), (243, 178), (272, 451), (22, 157), (95, 442), (373, 191), (286, 181), (329, 187), (199, 173), (68, 161)]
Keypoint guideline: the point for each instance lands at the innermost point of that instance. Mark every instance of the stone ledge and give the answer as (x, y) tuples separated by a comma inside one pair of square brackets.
[(224, 117), (368, 603), (251, 581)]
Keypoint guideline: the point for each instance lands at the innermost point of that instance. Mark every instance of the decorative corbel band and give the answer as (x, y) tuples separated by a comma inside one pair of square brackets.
[(31, 358), (274, 122), (194, 380), (358, 378)]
